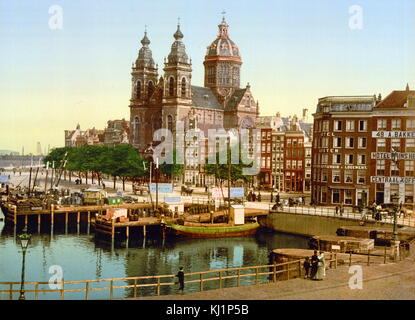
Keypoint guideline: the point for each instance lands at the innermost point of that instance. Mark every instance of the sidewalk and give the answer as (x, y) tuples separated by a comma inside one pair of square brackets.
[(391, 281)]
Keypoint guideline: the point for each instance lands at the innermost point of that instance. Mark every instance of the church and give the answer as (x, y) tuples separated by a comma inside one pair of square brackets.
[(161, 101)]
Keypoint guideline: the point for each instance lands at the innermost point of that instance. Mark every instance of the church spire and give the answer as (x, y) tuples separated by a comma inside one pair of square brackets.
[(178, 49), (407, 87)]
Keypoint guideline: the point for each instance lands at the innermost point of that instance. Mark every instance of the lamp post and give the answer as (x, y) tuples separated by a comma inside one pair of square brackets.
[(24, 242)]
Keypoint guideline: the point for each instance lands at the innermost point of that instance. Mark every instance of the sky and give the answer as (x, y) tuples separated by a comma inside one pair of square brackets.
[(293, 52)]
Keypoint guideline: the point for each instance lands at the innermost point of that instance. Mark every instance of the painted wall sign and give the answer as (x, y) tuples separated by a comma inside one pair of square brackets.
[(398, 180), (394, 134), (394, 155)]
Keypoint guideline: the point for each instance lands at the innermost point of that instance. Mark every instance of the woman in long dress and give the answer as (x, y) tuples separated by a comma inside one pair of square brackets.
[(321, 268)]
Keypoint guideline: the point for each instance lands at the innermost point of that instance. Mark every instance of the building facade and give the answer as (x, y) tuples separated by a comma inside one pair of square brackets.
[(352, 149), (160, 102)]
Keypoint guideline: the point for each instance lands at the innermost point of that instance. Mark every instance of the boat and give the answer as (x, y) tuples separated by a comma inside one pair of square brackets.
[(213, 230)]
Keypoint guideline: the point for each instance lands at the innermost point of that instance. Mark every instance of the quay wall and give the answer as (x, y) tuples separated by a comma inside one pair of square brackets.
[(307, 225)]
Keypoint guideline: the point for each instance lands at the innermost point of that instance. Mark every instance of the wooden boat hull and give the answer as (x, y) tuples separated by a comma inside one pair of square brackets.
[(247, 229)]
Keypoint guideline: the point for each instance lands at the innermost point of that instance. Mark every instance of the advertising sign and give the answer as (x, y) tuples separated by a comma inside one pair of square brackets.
[(176, 199), (162, 188), (4, 179), (237, 193), (394, 134), (217, 193)]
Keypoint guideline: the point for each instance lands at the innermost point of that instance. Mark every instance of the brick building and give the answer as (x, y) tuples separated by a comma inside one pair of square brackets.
[(352, 149), (392, 161)]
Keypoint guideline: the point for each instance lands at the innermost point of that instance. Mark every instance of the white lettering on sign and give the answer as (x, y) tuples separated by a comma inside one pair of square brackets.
[(394, 134), (393, 155), (398, 180)]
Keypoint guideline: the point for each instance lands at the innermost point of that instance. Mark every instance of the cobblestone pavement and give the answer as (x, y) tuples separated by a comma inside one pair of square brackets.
[(393, 281)]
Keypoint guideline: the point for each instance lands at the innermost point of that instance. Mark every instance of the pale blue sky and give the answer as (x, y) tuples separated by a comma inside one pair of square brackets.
[(293, 53)]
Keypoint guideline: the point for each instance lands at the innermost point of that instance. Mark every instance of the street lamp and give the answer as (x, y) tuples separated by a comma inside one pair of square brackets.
[(24, 242)]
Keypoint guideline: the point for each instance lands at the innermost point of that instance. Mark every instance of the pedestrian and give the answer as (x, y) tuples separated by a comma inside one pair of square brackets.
[(180, 275), (341, 209), (314, 264), (103, 185), (337, 210), (277, 198), (206, 189), (259, 197), (253, 196), (321, 267), (306, 266)]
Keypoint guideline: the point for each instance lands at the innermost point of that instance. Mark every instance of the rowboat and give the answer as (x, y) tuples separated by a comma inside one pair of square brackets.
[(213, 230)]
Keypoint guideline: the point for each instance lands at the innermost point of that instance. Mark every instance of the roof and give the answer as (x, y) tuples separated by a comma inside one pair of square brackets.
[(204, 98), (396, 99), (235, 99)]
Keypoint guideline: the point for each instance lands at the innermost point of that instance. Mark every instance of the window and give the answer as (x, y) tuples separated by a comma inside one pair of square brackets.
[(349, 142), (300, 164), (410, 124), (324, 158), (288, 164), (337, 158), (348, 196), (336, 196), (410, 145), (171, 87), (394, 169), (349, 159), (381, 124), (288, 142), (394, 187), (150, 89), (350, 125), (170, 122), (348, 176), (361, 158), (409, 168), (325, 126), (138, 90), (362, 125), (136, 129), (325, 142), (324, 195), (396, 124), (409, 193), (380, 167), (396, 145), (337, 142), (362, 143), (361, 177), (323, 175), (337, 125), (381, 145), (294, 164), (183, 87), (336, 176)]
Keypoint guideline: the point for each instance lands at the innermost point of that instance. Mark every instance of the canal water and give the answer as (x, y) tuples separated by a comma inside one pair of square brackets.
[(80, 256)]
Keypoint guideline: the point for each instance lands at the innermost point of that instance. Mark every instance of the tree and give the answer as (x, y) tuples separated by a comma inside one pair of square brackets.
[(123, 161), (173, 169)]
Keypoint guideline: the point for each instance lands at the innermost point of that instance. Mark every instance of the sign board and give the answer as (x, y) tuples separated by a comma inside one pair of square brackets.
[(238, 214), (394, 155), (394, 134), (187, 199), (217, 193), (4, 179), (162, 188), (398, 180), (176, 199), (237, 193), (335, 247)]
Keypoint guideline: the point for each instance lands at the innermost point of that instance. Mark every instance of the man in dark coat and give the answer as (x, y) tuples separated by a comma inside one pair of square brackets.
[(180, 275), (314, 264)]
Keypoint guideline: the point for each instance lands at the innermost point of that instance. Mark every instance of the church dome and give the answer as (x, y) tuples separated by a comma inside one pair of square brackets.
[(223, 46)]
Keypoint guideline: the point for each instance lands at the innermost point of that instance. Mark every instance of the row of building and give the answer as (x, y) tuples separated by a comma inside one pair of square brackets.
[(116, 132), (364, 149)]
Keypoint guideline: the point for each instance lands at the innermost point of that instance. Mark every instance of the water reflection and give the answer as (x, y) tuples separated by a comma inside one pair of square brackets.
[(82, 257)]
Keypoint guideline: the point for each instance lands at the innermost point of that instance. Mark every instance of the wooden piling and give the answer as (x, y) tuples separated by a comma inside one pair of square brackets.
[(144, 231), (89, 217), (78, 218), (127, 232), (112, 229), (52, 212), (66, 218), (25, 220), (15, 215)]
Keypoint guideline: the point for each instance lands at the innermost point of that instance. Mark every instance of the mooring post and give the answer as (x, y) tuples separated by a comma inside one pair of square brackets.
[(25, 220), (144, 231), (15, 215), (38, 223)]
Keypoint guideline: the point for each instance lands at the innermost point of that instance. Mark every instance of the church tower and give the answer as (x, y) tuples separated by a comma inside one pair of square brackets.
[(222, 65), (144, 79), (177, 98)]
